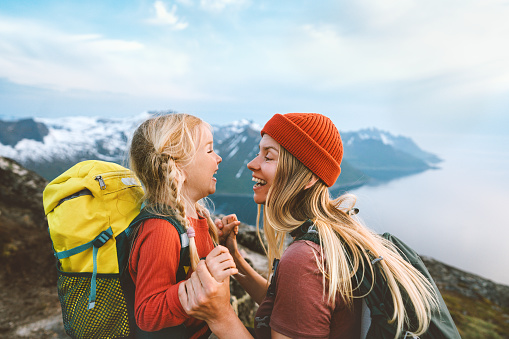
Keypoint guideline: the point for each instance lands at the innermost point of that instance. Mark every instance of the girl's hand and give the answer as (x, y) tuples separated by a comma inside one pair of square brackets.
[(220, 264), (226, 226), (229, 232)]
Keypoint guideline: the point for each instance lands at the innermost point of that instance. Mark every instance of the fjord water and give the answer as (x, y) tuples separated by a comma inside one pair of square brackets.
[(457, 214)]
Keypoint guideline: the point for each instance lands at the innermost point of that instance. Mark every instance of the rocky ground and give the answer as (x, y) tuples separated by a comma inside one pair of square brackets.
[(29, 306)]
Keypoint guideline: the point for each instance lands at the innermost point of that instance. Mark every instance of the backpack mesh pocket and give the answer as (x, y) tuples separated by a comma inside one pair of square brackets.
[(108, 319)]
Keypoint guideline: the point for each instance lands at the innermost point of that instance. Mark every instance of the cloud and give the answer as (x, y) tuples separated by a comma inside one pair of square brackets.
[(219, 5), (400, 42), (185, 2), (96, 42), (35, 54), (371, 56), (167, 18)]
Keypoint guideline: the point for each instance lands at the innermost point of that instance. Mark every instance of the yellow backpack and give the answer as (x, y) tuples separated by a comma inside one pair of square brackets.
[(89, 208)]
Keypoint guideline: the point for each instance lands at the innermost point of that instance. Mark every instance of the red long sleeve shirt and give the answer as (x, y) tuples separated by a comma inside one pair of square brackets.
[(153, 267)]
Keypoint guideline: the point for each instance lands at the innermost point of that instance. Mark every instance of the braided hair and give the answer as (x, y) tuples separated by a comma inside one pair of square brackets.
[(161, 146)]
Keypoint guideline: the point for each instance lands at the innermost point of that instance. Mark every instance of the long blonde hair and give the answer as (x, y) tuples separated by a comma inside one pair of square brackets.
[(160, 148), (345, 242)]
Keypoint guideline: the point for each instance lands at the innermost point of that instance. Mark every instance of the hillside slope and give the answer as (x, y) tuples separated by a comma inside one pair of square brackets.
[(29, 305)]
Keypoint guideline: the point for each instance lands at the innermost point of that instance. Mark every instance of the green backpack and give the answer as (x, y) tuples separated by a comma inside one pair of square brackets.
[(378, 306), (92, 209)]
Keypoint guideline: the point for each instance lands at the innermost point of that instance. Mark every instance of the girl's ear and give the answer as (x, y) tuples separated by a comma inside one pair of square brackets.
[(180, 175), (311, 182)]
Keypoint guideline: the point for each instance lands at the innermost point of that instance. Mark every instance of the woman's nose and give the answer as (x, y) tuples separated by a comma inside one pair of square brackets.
[(254, 164), (251, 164)]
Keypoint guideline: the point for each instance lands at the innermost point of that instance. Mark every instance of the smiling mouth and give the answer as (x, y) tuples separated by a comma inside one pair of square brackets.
[(259, 182)]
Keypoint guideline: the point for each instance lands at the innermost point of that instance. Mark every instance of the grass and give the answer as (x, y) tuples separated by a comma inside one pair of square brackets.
[(477, 319)]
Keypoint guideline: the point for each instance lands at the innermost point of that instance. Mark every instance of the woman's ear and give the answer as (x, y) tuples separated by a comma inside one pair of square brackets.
[(311, 182)]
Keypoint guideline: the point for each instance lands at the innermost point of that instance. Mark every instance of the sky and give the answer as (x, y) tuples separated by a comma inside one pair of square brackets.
[(432, 70), (411, 67)]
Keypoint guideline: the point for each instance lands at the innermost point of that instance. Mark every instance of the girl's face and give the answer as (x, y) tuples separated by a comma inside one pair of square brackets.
[(199, 173), (264, 168)]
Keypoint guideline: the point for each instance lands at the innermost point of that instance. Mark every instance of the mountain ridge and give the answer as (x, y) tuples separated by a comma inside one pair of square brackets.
[(51, 146)]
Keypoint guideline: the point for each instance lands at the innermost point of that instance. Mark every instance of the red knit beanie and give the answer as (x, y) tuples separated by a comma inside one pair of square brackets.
[(312, 138)]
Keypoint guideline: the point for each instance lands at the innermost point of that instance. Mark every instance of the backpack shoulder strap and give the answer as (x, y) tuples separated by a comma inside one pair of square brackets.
[(145, 214), (305, 231), (185, 260)]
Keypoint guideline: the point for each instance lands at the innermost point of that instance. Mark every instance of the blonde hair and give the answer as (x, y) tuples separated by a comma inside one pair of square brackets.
[(345, 243), (160, 148)]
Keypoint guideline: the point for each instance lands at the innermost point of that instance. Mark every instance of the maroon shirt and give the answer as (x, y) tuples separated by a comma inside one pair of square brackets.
[(299, 309)]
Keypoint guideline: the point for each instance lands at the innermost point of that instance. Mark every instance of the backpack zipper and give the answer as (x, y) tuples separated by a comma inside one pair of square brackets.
[(102, 185)]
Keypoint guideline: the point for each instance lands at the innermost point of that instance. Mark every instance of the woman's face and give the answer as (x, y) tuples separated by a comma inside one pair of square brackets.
[(199, 173), (264, 168)]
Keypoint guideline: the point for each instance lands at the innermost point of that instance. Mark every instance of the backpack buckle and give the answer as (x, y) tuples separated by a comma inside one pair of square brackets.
[(312, 229), (102, 238), (374, 261)]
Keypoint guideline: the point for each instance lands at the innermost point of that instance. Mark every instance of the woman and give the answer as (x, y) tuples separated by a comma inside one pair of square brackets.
[(174, 158), (313, 293)]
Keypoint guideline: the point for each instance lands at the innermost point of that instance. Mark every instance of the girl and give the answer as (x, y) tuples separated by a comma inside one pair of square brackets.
[(312, 293), (173, 157)]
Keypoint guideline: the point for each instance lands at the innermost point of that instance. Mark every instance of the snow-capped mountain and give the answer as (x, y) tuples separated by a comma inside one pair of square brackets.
[(50, 146), (399, 142), (69, 138)]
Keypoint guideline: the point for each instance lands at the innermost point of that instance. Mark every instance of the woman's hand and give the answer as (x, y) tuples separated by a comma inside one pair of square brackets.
[(228, 228), (203, 297), (220, 264)]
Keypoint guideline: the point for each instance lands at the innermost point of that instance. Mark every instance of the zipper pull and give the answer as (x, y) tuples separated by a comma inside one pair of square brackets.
[(101, 182)]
